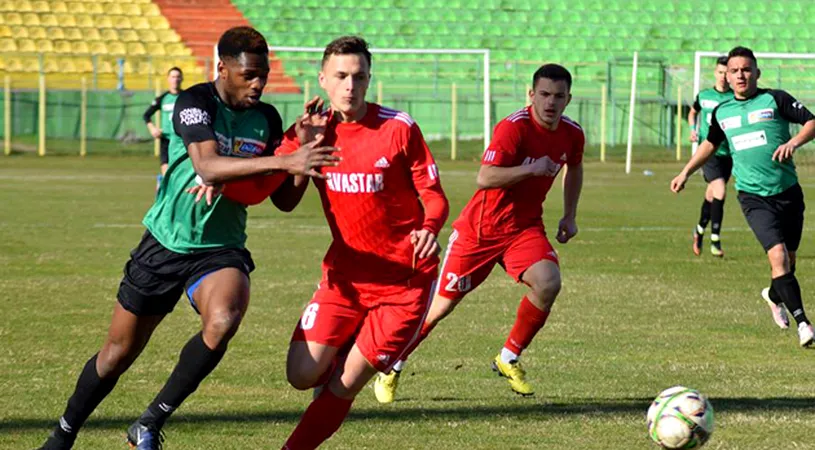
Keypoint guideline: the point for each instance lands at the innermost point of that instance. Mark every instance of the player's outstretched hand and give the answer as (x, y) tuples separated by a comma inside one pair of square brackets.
[(424, 243), (566, 229), (545, 167), (312, 122), (678, 183), (206, 191), (310, 157), (784, 152), (155, 132), (694, 136)]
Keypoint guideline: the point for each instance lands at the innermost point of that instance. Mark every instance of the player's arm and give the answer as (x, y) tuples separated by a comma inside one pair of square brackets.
[(425, 177), (148, 116), (706, 149), (692, 116), (498, 168), (288, 195), (793, 111)]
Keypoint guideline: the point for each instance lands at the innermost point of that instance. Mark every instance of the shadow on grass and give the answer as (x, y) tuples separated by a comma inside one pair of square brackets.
[(518, 409)]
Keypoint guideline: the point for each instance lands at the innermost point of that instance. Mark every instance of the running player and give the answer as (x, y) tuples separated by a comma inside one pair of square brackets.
[(503, 223), (197, 249), (385, 205), (756, 125), (164, 103), (717, 169)]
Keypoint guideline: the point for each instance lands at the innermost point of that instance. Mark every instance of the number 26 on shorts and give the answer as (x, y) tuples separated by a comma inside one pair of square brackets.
[(309, 316)]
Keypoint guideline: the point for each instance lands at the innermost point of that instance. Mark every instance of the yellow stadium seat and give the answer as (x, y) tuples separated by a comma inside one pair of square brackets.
[(131, 10), (74, 34), (51, 65), (129, 35), (45, 46), (8, 45), (62, 47), (2, 64), (177, 50), (116, 48), (91, 34), (76, 8), (122, 22), (5, 31), (102, 21), (80, 47), (67, 65), (19, 32), (22, 6), (168, 36), (157, 49), (147, 36), (84, 64), (14, 65), (128, 66), (31, 19), (109, 34), (93, 8), (49, 20), (142, 23), (59, 7), (67, 20), (98, 48), (37, 33), (56, 33), (84, 21), (158, 23), (136, 48), (13, 19), (149, 10), (105, 67), (26, 46), (113, 9), (40, 6)]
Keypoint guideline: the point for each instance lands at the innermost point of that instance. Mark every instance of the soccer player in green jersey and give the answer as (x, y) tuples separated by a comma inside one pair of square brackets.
[(756, 125), (718, 168), (164, 103), (221, 128)]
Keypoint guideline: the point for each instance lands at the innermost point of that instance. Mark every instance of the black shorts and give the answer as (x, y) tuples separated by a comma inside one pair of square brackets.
[(718, 167), (155, 277), (164, 150), (778, 219)]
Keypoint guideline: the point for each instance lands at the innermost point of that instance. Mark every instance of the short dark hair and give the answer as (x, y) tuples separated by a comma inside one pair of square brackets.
[(172, 69), (239, 40), (721, 61), (743, 52), (554, 72), (347, 45)]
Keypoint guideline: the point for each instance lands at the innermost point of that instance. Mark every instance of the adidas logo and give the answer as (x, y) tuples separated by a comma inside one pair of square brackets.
[(382, 163)]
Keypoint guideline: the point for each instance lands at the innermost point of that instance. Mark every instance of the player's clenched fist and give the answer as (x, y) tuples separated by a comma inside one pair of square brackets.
[(309, 158), (678, 183), (545, 167)]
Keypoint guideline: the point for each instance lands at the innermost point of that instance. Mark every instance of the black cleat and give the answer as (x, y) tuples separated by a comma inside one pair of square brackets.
[(144, 437)]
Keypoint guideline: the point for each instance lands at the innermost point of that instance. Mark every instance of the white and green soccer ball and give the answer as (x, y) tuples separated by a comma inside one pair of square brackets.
[(680, 418)]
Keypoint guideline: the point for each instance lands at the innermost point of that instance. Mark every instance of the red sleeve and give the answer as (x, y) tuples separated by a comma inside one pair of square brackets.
[(578, 142), (425, 175), (255, 190), (504, 145)]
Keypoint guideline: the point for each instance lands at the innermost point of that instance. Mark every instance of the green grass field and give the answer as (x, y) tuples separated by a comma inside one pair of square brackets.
[(638, 313)]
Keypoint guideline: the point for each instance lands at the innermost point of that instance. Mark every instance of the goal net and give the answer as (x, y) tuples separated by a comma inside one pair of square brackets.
[(446, 91)]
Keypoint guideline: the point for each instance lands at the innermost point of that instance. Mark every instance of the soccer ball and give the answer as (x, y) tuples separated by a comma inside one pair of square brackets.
[(680, 418)]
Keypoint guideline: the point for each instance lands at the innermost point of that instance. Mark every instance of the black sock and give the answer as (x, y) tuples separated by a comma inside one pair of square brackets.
[(89, 392), (194, 364), (790, 292), (704, 217), (716, 215), (774, 297)]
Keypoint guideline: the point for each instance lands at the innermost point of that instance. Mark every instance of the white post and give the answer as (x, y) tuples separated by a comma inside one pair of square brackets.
[(631, 114), (214, 62), (697, 74), (487, 96)]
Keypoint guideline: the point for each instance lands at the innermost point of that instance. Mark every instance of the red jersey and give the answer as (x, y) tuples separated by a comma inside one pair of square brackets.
[(372, 198), (518, 140)]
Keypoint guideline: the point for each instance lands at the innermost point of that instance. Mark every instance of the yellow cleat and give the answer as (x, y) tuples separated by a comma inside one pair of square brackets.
[(385, 386), (515, 374)]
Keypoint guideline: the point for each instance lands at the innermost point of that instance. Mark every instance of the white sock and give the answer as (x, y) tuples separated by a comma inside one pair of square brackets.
[(398, 366), (699, 229), (507, 356), (714, 238)]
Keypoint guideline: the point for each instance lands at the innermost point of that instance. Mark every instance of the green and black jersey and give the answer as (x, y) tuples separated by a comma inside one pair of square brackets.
[(706, 101), (175, 219), (164, 103), (754, 128)]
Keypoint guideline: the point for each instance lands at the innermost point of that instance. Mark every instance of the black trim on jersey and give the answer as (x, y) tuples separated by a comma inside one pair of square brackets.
[(696, 105), (155, 106), (789, 108), (194, 114), (715, 135)]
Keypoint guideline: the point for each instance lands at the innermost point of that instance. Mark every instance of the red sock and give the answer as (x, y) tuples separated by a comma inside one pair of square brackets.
[(426, 329), (529, 321), (322, 419)]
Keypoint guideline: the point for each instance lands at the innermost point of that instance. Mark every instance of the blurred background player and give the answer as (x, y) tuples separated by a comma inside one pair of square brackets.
[(503, 221), (164, 103), (385, 206), (194, 248), (718, 168), (756, 125)]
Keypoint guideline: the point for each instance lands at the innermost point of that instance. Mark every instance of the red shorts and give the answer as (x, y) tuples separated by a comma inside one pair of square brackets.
[(382, 320), (467, 263)]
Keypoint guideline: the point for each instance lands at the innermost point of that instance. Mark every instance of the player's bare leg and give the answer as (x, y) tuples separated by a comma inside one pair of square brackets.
[(127, 336), (309, 364), (785, 287), (326, 413), (543, 279), (717, 190), (222, 299)]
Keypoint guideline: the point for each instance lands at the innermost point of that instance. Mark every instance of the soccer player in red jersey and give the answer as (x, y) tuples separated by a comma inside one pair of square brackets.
[(385, 206), (503, 223)]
